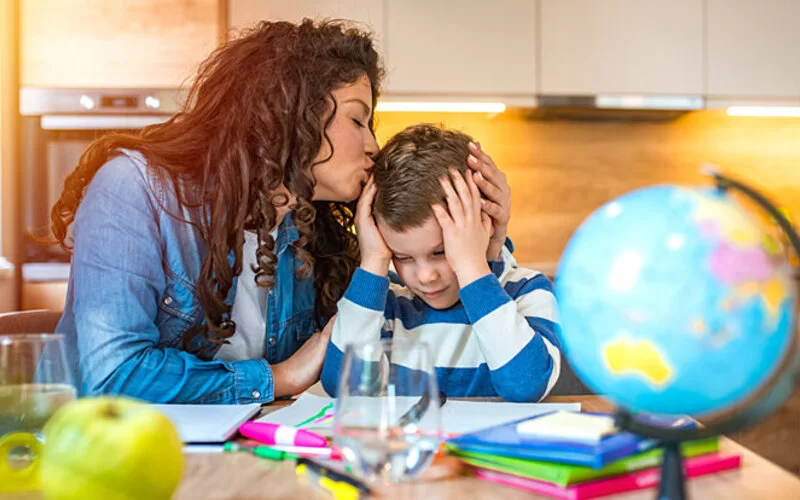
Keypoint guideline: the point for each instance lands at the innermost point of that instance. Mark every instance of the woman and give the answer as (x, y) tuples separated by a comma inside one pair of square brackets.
[(208, 250)]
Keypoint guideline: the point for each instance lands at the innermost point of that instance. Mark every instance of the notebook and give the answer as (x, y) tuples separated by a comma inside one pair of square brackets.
[(566, 474), (207, 423), (505, 440), (640, 480)]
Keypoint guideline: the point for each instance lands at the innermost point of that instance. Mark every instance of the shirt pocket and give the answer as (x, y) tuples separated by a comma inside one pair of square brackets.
[(178, 309), (301, 326)]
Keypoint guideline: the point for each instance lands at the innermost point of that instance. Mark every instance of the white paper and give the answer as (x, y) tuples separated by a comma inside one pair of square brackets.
[(303, 408), (207, 423), (458, 417)]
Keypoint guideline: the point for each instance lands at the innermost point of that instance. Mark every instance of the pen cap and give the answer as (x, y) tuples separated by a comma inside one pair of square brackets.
[(259, 431), (274, 434)]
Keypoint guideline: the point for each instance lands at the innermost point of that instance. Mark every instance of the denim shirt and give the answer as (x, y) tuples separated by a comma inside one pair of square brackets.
[(132, 297)]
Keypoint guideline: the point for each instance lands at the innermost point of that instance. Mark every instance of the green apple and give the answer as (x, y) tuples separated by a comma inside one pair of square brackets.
[(110, 448)]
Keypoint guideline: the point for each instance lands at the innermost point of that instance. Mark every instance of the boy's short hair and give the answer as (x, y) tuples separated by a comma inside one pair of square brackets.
[(408, 169)]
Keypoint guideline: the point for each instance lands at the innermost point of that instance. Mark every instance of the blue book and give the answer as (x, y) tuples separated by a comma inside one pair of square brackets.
[(504, 440)]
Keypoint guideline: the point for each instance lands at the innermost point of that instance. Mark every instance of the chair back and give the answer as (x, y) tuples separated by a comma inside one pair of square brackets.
[(568, 383)]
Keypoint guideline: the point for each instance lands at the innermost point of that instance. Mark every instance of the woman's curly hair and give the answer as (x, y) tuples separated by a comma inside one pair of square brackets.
[(254, 119)]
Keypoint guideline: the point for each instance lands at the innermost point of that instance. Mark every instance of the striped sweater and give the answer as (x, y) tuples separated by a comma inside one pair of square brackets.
[(499, 340)]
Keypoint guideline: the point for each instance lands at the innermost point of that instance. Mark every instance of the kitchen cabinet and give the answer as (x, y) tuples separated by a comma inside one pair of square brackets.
[(591, 47), (369, 13), (461, 48), (124, 43), (754, 48)]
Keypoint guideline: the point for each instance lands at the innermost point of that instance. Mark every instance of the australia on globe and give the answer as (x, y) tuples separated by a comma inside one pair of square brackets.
[(675, 300)]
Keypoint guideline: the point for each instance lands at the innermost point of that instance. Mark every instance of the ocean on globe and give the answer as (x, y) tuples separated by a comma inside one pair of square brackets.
[(674, 300)]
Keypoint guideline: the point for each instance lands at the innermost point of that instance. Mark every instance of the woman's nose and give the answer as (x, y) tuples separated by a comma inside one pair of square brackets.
[(370, 145)]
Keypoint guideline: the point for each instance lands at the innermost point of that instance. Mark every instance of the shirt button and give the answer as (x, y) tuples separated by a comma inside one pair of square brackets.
[(256, 394), (271, 341), (167, 301)]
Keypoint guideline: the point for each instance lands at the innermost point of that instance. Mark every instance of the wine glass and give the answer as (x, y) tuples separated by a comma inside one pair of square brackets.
[(387, 418), (34, 382)]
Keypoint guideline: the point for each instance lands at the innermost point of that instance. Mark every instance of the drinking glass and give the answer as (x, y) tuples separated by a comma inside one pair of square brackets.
[(387, 418), (34, 382)]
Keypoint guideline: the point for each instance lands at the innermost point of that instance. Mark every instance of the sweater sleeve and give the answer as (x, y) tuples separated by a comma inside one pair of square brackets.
[(360, 318), (516, 327)]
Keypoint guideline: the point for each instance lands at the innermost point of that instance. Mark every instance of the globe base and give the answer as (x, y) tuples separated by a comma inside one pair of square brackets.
[(673, 483)]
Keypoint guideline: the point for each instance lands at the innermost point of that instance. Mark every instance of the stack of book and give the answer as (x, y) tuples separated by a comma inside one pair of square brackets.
[(575, 457)]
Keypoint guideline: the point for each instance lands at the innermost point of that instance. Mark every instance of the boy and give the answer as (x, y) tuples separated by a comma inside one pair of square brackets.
[(491, 327)]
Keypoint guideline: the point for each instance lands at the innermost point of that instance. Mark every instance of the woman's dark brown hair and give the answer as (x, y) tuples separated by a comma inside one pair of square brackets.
[(255, 118)]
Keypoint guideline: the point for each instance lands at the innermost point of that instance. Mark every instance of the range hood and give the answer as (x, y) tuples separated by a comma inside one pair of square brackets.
[(633, 102), (649, 104)]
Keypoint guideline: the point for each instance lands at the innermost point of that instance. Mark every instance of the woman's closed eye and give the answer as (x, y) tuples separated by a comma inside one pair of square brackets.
[(358, 122)]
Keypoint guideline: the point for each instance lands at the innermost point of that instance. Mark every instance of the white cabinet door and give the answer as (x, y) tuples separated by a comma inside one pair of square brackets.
[(622, 47), (754, 48), (455, 47), (369, 13)]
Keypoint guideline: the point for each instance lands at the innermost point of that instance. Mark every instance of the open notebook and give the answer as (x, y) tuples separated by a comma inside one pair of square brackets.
[(207, 423)]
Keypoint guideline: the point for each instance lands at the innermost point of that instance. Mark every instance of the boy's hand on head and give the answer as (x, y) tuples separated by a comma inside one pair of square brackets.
[(493, 184), (375, 254), (466, 229)]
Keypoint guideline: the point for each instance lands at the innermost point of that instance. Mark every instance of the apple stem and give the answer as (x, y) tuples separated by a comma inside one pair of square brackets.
[(110, 411)]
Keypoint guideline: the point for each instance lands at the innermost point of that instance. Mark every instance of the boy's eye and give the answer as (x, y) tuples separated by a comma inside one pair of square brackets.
[(438, 253), (402, 259)]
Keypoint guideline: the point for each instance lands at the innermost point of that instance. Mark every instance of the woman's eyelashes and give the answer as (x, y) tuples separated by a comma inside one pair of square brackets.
[(358, 122)]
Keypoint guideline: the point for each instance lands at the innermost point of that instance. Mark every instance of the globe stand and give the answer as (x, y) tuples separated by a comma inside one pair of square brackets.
[(673, 483)]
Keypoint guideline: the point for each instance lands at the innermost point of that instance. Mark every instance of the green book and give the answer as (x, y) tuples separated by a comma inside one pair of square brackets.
[(566, 474)]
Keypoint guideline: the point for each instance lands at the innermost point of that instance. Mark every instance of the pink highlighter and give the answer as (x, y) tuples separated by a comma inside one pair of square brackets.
[(276, 434)]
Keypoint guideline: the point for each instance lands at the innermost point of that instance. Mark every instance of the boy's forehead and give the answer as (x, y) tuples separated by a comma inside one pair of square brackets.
[(412, 241)]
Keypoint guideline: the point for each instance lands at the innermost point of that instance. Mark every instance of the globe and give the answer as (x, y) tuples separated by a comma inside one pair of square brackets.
[(675, 300)]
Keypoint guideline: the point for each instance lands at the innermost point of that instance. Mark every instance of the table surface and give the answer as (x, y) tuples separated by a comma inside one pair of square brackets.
[(241, 475)]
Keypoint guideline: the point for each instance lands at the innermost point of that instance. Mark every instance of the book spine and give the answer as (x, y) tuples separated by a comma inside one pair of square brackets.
[(523, 483), (693, 467), (636, 462), (557, 474)]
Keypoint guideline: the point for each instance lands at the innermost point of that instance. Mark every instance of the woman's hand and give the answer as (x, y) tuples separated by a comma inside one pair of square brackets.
[(302, 369), (375, 254), (493, 184)]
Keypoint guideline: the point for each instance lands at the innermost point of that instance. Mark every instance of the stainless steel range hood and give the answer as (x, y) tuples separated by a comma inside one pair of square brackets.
[(631, 102)]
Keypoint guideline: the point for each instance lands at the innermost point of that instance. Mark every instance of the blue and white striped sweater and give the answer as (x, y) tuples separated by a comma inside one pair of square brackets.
[(499, 340)]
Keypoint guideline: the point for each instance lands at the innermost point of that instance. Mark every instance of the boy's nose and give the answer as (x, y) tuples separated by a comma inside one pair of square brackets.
[(427, 275)]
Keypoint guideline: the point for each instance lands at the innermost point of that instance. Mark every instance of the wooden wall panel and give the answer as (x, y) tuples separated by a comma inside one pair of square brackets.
[(561, 170), (124, 43), (9, 153)]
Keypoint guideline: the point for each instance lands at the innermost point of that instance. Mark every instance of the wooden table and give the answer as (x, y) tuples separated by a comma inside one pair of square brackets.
[(242, 475)]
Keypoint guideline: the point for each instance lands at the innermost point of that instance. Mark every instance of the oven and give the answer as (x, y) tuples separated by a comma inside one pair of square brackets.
[(56, 127)]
